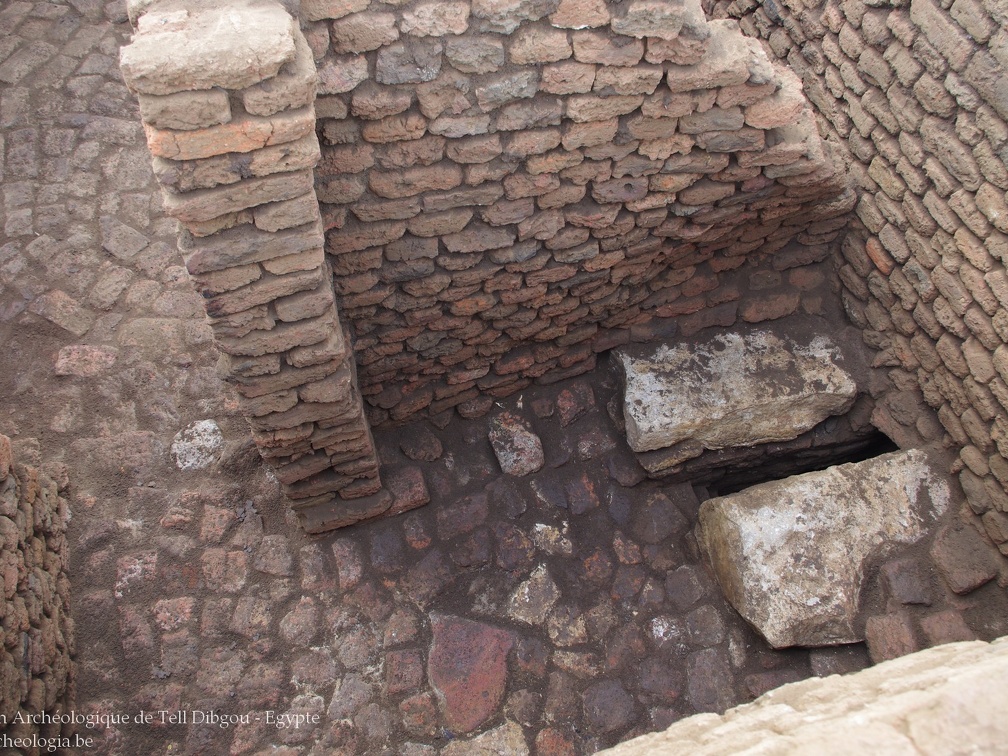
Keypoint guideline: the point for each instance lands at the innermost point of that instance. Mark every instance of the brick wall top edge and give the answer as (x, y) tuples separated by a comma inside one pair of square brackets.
[(661, 19)]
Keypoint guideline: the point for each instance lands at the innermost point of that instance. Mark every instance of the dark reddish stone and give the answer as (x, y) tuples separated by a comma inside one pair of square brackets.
[(419, 714), (608, 707), (468, 669), (627, 552), (660, 679), (709, 680), (549, 489), (408, 489), (515, 550), (963, 557), (387, 548), (506, 499), (561, 698), (530, 657), (403, 671), (597, 567), (946, 627), (581, 495), (419, 443), (462, 516), (473, 550), (428, 578), (542, 407), (705, 626), (624, 468), (629, 580), (626, 647), (372, 600), (889, 636), (573, 402), (552, 742), (908, 581), (684, 586), (838, 660), (658, 519), (416, 532)]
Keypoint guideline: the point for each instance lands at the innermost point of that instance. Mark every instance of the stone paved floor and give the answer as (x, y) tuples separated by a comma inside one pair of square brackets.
[(556, 613)]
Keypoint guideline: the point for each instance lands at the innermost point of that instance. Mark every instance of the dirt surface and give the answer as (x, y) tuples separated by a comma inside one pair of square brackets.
[(553, 613)]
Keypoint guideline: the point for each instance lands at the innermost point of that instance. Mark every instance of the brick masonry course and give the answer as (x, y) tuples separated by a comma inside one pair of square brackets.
[(914, 97), (601, 172), (240, 180)]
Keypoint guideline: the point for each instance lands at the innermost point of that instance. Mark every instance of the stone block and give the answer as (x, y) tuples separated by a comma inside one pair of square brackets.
[(244, 245), (729, 398), (375, 102), (293, 87), (321, 10), (186, 110), (650, 18), (187, 175), (639, 79), (537, 44), (497, 90), (726, 62), (436, 19), (412, 62), (341, 73), (362, 32), (247, 43), (475, 55), (206, 204), (597, 47), (820, 530), (584, 108), (504, 16), (580, 14), (568, 77)]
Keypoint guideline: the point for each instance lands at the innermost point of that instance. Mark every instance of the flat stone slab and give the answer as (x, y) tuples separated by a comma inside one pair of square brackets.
[(234, 46), (791, 555), (734, 390)]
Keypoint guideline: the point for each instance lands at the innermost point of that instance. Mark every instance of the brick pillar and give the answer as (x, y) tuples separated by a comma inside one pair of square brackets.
[(226, 96)]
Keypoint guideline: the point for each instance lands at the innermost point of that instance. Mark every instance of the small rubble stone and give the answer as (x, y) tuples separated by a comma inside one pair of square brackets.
[(518, 449), (533, 599), (608, 707), (197, 446), (963, 558), (889, 636)]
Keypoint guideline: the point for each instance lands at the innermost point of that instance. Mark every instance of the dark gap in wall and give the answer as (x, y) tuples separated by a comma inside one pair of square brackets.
[(732, 481)]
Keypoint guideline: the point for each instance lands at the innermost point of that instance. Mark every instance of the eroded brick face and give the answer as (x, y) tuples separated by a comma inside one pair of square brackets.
[(524, 185)]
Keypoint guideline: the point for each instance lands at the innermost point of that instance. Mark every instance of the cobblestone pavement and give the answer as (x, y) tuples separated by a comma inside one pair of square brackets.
[(555, 613)]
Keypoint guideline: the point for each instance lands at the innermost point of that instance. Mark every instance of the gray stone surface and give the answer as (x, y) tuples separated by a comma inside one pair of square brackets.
[(235, 48), (733, 390), (791, 555)]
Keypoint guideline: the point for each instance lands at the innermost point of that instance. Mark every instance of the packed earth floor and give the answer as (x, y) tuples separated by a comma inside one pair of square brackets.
[(556, 613)]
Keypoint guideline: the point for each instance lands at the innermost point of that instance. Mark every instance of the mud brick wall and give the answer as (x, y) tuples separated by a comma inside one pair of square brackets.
[(916, 94), (511, 187), (36, 630), (226, 97)]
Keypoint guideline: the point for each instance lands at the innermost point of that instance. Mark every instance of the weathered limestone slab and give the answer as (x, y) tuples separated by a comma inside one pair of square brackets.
[(791, 555), (732, 391), (932, 701), (233, 46)]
